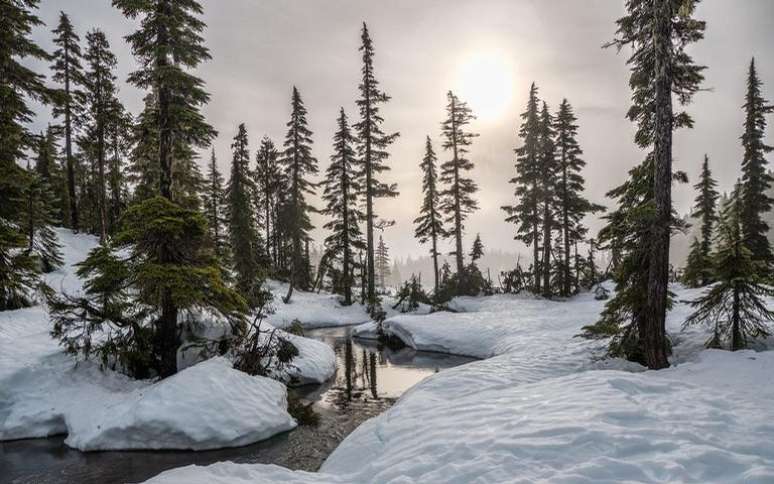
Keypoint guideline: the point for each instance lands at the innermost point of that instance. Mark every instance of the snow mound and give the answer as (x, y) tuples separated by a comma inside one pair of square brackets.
[(230, 473), (312, 310), (209, 405), (315, 363)]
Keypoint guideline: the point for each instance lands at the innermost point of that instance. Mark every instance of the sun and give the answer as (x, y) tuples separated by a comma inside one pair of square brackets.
[(485, 81)]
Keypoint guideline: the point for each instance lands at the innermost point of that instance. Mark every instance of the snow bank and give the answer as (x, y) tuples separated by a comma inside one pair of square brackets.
[(543, 407)]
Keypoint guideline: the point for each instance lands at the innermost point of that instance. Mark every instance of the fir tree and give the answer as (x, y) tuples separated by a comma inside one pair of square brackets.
[(342, 186), (548, 174), (573, 206), (215, 208), (119, 144), (68, 73), (372, 150), (429, 224), (39, 214), (243, 235), (268, 180), (457, 200), (18, 274), (298, 165), (735, 307), (756, 179), (103, 112), (48, 169), (698, 268), (144, 170), (658, 32), (382, 263), (477, 251), (705, 210), (527, 184)]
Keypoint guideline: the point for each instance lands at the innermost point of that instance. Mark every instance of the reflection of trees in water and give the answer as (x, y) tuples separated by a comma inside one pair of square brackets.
[(365, 374)]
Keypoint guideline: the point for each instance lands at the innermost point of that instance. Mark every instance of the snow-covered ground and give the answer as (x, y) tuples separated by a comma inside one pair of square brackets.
[(44, 392), (544, 407)]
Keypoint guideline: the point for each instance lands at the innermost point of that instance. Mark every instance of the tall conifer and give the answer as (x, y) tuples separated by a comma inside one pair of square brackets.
[(429, 224)]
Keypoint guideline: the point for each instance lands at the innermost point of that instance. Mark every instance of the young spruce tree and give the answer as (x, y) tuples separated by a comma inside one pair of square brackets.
[(342, 188), (698, 270), (268, 181), (214, 204), (429, 224)]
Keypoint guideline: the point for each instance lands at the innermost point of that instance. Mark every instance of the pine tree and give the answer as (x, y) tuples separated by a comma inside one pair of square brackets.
[(429, 224), (457, 200), (268, 180), (658, 32), (736, 305), (527, 184), (103, 112), (372, 150), (705, 210), (167, 46), (243, 235), (573, 206), (214, 204), (477, 251), (382, 263), (756, 179), (18, 273), (68, 73), (298, 164), (342, 187)]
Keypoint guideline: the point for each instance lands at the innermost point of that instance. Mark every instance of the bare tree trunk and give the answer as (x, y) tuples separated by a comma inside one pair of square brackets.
[(546, 249), (654, 334)]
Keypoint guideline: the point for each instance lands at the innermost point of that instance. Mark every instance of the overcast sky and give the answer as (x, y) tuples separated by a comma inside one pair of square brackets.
[(488, 51)]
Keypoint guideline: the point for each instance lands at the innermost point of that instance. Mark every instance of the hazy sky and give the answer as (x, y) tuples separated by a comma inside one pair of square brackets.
[(488, 52)]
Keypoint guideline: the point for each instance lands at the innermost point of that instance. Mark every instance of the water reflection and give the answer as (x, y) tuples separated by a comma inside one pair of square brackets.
[(367, 382)]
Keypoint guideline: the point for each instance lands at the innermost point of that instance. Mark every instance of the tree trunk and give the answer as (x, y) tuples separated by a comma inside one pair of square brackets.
[(654, 335), (370, 269), (546, 249), (567, 290), (457, 208), (74, 223), (101, 178), (736, 335)]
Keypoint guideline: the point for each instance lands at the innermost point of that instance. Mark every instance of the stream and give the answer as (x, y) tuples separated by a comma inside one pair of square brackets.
[(368, 380)]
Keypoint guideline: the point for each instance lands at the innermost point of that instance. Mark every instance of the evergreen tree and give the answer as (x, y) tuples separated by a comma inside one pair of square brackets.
[(39, 214), (457, 200), (215, 208), (48, 169), (372, 150), (698, 268), (756, 179), (298, 164), (167, 46), (736, 305), (658, 32), (144, 170), (20, 84), (429, 224), (342, 186), (477, 251), (68, 73), (573, 206), (268, 180), (103, 112), (527, 184), (382, 263), (705, 210), (243, 235), (548, 197), (119, 144)]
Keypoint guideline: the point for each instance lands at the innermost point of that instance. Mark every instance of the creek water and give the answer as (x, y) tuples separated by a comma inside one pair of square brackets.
[(368, 380)]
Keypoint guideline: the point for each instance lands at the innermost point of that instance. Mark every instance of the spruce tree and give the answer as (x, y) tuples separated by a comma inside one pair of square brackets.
[(243, 235), (705, 210), (119, 144), (525, 213), (268, 180), (573, 206), (548, 196), (68, 74), (39, 214), (736, 306), (477, 251), (429, 224), (698, 268), (20, 85), (48, 169), (382, 263), (214, 204), (457, 200), (298, 165), (102, 112), (658, 33), (372, 150), (342, 187), (144, 170), (168, 45), (756, 179)]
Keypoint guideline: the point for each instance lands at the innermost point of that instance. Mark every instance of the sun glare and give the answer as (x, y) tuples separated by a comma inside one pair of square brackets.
[(485, 81)]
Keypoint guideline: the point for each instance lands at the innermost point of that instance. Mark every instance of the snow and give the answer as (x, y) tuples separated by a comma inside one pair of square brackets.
[(44, 392), (543, 406)]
